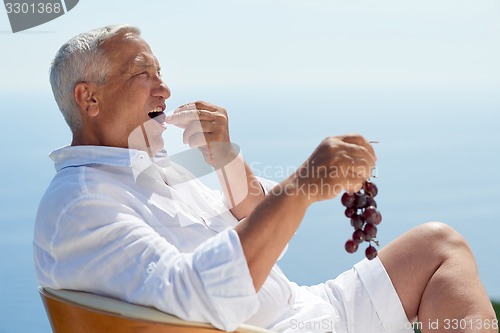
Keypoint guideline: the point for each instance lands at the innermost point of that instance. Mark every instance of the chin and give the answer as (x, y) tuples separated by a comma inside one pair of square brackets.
[(147, 137), (155, 146)]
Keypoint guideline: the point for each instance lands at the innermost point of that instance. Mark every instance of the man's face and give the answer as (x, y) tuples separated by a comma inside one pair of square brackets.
[(133, 94)]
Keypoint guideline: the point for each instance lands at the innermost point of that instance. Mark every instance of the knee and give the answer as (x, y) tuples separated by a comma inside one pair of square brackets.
[(442, 239)]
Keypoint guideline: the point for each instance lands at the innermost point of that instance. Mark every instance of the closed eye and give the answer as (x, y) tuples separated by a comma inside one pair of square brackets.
[(158, 72)]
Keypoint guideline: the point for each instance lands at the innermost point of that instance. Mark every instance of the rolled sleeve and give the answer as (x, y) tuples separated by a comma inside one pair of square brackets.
[(223, 270), (211, 284)]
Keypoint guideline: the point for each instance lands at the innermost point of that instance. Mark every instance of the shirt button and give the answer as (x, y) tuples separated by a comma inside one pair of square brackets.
[(151, 268)]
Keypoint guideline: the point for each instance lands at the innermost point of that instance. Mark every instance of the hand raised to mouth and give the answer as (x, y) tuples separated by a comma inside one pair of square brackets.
[(206, 128)]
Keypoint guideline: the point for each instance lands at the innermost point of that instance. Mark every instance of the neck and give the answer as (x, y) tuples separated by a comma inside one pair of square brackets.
[(83, 138)]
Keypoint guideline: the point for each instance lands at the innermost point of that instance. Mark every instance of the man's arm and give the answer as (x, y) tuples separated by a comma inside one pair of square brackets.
[(265, 233), (339, 163), (346, 161), (242, 189)]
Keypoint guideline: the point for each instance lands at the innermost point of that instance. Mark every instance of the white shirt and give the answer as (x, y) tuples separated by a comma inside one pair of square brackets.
[(109, 224)]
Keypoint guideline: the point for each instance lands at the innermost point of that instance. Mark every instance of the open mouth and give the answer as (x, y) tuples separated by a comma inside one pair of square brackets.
[(156, 112), (158, 115)]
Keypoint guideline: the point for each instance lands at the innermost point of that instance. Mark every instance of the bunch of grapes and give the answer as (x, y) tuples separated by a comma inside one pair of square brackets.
[(361, 208)]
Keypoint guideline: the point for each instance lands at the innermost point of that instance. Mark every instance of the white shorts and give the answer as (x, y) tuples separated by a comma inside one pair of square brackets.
[(364, 301)]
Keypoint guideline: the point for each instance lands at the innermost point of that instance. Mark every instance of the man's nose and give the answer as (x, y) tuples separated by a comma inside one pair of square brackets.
[(161, 90)]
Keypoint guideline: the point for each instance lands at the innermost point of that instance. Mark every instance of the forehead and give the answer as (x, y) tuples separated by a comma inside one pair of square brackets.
[(128, 51)]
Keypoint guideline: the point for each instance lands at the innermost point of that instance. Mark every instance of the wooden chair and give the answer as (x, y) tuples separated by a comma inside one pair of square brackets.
[(80, 312)]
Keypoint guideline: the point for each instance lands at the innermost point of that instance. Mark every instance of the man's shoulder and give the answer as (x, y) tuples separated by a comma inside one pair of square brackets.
[(74, 194), (79, 182), (65, 187)]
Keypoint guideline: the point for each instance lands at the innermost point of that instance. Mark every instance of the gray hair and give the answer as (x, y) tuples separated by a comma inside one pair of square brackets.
[(81, 59)]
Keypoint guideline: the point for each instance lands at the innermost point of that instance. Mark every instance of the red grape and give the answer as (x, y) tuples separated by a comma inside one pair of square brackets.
[(357, 221), (348, 199), (350, 212), (351, 246), (358, 236), (370, 202), (370, 231), (370, 188), (371, 252), (372, 215), (360, 200)]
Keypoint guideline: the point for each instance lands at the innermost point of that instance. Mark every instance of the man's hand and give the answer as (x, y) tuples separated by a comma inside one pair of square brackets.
[(206, 128), (339, 163)]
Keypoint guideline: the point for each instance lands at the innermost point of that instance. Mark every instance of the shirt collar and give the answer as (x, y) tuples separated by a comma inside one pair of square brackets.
[(74, 156)]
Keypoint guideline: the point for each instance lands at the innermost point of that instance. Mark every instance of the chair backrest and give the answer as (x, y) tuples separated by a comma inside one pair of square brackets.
[(80, 312)]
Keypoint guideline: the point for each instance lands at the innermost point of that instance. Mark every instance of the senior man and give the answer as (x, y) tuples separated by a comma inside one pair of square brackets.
[(120, 219)]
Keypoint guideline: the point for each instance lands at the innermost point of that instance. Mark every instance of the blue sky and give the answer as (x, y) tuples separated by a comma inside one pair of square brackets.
[(358, 44)]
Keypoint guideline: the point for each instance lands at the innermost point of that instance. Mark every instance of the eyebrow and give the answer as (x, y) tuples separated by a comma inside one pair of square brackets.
[(141, 62)]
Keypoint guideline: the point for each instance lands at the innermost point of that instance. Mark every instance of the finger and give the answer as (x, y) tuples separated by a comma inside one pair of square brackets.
[(359, 140), (195, 127), (207, 106), (200, 105), (187, 116), (346, 150), (187, 106), (197, 140), (353, 185), (352, 167), (191, 129), (358, 173), (357, 152), (360, 152), (362, 168)]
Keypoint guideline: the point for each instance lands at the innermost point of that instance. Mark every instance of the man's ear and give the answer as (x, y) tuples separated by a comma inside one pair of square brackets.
[(86, 99)]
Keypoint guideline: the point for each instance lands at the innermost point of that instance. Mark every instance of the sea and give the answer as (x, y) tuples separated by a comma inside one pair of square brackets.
[(438, 160)]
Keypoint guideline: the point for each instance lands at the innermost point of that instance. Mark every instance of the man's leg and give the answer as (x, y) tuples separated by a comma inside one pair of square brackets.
[(435, 275)]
